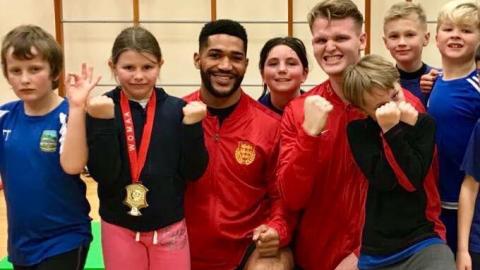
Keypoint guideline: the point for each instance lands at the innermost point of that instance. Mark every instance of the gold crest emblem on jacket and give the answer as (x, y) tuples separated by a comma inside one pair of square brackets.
[(245, 153)]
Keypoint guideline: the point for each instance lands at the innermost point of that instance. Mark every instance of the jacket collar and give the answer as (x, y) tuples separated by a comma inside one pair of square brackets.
[(239, 111)]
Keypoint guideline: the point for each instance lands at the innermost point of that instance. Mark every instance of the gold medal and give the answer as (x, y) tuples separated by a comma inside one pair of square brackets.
[(136, 198)]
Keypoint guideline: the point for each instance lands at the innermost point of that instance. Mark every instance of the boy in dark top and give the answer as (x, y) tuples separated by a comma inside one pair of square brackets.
[(394, 148), (405, 35)]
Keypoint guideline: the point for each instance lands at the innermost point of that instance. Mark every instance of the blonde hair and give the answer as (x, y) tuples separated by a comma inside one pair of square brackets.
[(459, 12), (372, 71), (403, 10), (335, 10)]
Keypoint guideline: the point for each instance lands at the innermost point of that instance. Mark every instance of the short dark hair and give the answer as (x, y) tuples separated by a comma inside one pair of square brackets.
[(224, 26), (138, 39), (25, 37)]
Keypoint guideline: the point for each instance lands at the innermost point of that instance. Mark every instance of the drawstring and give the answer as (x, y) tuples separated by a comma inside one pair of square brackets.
[(155, 237), (137, 237)]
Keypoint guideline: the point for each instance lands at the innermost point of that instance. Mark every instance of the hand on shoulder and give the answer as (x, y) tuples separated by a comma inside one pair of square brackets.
[(427, 80)]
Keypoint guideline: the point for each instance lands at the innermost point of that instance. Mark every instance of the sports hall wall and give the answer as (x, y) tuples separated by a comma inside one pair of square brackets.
[(178, 34)]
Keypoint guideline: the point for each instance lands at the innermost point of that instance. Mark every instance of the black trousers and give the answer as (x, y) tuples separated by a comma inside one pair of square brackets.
[(475, 260), (71, 260)]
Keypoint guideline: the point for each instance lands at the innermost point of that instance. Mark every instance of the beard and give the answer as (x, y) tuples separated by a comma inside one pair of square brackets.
[(205, 75)]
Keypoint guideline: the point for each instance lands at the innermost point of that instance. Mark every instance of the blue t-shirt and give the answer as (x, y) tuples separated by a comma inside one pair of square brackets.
[(47, 209), (411, 82), (455, 106), (471, 166)]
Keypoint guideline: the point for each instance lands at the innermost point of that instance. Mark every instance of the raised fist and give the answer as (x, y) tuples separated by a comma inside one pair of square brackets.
[(101, 107), (316, 110), (194, 112), (388, 116), (408, 113)]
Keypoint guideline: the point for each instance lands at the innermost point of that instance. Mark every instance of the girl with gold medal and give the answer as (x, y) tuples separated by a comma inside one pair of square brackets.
[(143, 147)]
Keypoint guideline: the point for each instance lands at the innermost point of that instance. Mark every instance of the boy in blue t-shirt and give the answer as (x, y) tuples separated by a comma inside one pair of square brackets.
[(405, 35), (468, 253), (47, 212), (455, 101)]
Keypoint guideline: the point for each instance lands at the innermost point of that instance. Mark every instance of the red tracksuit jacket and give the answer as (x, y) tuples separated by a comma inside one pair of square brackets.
[(238, 191)]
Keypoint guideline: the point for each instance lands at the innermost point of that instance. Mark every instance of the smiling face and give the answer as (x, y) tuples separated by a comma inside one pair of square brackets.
[(457, 42), (30, 78), (222, 64), (405, 39), (336, 44), (283, 72), (136, 73)]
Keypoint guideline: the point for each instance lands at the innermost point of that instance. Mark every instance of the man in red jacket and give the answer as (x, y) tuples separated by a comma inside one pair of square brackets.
[(316, 171), (234, 214)]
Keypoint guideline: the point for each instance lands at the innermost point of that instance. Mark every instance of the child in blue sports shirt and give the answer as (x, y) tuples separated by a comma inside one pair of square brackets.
[(40, 162), (468, 253), (455, 101)]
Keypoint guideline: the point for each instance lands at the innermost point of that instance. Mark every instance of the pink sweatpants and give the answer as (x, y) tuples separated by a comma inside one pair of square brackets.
[(167, 249)]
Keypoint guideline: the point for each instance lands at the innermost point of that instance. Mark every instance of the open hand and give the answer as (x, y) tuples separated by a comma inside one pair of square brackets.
[(79, 86)]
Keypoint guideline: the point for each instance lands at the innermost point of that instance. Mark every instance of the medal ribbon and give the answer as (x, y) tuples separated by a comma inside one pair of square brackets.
[(137, 161)]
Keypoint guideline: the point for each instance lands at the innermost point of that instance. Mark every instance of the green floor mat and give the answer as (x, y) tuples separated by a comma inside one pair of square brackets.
[(94, 259)]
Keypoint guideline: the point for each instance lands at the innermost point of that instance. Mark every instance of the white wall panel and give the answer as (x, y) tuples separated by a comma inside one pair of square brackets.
[(92, 43)]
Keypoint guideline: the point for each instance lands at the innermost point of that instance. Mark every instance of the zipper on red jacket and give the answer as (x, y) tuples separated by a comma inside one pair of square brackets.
[(216, 139), (216, 134)]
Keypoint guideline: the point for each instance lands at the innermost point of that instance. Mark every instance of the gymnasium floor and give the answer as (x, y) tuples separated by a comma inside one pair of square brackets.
[(92, 198)]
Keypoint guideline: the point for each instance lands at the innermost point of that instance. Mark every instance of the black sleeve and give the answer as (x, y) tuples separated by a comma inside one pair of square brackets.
[(194, 159), (413, 148), (104, 160), (366, 145)]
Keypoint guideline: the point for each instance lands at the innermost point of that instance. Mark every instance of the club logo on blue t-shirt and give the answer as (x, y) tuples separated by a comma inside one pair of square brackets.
[(48, 141)]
